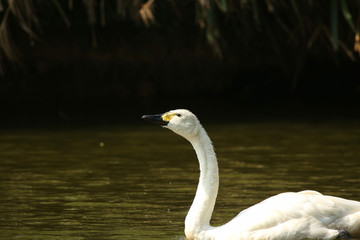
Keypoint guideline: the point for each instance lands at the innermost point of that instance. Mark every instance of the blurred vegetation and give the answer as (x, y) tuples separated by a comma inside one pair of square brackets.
[(305, 23), (221, 44)]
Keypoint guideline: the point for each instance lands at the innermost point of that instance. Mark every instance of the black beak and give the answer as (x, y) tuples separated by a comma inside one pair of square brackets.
[(155, 119)]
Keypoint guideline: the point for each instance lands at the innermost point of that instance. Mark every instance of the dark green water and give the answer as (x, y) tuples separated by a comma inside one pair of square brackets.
[(138, 182)]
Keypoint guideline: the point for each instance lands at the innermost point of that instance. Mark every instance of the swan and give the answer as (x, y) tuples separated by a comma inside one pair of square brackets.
[(286, 216)]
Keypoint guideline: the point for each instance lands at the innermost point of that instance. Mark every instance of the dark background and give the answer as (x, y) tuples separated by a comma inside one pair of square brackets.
[(88, 72)]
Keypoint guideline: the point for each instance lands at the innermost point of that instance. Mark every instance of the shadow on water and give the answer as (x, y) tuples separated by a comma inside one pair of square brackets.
[(138, 182)]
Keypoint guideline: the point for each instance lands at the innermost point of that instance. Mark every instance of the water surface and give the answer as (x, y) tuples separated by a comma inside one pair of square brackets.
[(137, 182)]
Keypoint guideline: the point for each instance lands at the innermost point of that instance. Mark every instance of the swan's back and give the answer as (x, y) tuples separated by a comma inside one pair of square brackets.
[(295, 215)]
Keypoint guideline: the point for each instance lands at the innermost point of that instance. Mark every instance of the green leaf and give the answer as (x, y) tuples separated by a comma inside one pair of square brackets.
[(256, 12), (298, 15), (62, 13), (347, 15), (222, 4), (334, 11)]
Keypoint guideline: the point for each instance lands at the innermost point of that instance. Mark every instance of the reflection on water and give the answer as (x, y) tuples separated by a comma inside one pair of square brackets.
[(138, 182)]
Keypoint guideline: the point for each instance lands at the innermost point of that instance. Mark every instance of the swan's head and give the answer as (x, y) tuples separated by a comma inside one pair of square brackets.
[(180, 121)]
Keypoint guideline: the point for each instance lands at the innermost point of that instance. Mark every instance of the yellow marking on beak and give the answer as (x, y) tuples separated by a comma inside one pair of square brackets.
[(168, 116)]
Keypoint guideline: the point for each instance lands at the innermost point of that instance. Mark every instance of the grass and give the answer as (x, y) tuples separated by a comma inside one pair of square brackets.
[(306, 24)]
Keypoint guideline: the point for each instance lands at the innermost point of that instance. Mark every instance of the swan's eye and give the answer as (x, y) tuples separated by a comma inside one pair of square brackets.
[(179, 115)]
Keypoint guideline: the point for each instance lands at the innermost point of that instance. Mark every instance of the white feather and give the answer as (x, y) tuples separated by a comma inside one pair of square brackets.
[(286, 216)]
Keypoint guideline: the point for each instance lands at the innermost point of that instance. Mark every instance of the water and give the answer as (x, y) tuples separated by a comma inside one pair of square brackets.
[(138, 182)]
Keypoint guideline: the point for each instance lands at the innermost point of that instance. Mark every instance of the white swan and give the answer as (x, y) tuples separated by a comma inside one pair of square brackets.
[(302, 215)]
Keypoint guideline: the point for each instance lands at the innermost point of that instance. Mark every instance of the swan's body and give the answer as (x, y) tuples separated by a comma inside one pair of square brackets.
[(287, 216)]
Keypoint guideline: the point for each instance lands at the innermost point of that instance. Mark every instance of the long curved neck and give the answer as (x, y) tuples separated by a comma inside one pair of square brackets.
[(198, 217)]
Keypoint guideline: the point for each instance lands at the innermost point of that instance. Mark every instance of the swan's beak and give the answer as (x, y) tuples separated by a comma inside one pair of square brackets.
[(158, 118)]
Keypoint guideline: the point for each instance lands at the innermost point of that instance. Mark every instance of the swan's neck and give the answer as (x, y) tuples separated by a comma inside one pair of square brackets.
[(198, 217)]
